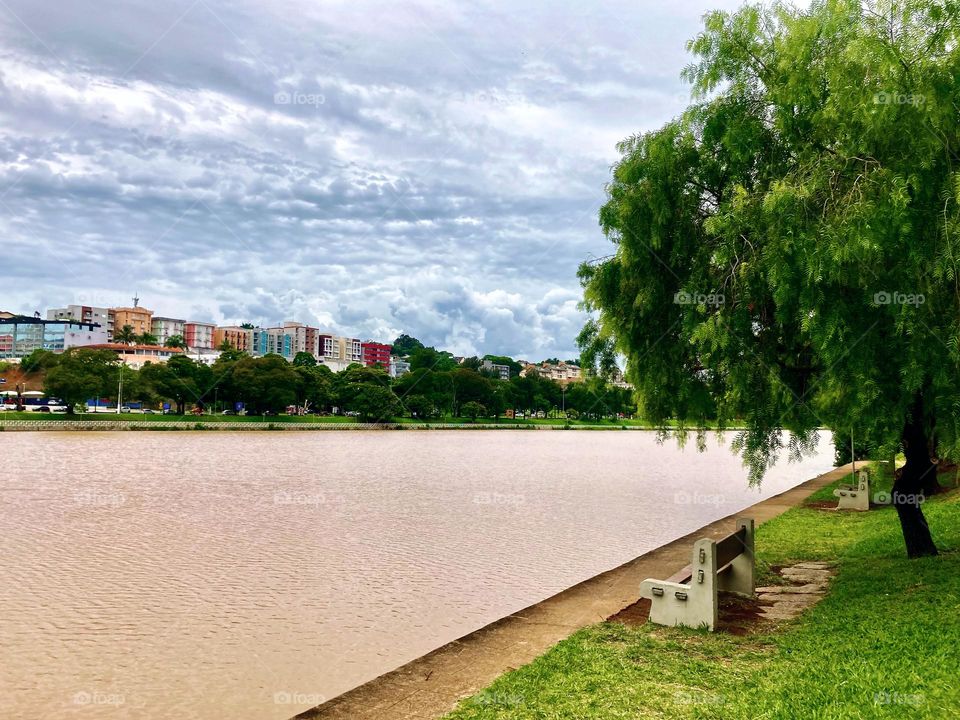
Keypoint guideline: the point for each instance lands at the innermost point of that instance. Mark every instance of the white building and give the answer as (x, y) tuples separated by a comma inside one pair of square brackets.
[(85, 314), (398, 367), (164, 328)]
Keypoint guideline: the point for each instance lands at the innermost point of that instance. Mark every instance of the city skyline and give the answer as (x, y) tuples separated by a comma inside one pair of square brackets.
[(412, 174)]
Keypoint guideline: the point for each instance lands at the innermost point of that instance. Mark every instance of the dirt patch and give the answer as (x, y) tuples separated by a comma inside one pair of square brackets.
[(821, 504), (803, 585), (633, 615)]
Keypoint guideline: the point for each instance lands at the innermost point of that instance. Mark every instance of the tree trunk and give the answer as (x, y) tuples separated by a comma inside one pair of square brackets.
[(918, 475)]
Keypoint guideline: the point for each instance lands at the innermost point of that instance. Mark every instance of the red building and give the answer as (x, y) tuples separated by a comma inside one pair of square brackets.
[(376, 354)]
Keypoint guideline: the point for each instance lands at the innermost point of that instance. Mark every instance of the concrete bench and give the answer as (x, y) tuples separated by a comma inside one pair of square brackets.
[(690, 597), (854, 497)]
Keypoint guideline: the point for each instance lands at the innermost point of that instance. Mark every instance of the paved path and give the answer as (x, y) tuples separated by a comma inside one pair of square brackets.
[(431, 686)]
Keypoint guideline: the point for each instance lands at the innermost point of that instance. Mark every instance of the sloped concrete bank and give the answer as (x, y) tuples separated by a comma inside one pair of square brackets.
[(432, 685)]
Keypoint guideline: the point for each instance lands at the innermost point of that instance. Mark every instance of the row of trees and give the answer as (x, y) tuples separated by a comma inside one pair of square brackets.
[(272, 384)]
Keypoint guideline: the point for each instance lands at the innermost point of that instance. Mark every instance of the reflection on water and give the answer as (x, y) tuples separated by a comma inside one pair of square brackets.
[(251, 575)]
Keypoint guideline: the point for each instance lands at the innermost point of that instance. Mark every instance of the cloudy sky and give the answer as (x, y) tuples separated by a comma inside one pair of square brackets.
[(373, 168)]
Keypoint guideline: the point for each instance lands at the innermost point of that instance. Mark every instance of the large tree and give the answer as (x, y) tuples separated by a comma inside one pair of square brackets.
[(786, 251), (81, 374)]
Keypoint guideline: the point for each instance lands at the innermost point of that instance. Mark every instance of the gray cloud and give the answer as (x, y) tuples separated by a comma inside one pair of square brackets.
[(436, 168)]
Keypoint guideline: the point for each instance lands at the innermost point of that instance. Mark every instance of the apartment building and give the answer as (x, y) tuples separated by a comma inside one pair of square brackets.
[(236, 337), (562, 373), (375, 353), (502, 371), (398, 367), (199, 335), (86, 314), (140, 319), (164, 328), (21, 335)]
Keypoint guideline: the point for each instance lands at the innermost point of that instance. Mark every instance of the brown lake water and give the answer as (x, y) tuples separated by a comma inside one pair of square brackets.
[(251, 575)]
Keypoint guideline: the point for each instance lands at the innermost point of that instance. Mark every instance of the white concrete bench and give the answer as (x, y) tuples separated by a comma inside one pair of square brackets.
[(690, 597), (854, 497)]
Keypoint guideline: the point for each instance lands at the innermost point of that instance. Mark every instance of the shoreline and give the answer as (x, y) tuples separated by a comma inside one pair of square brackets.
[(91, 425), (430, 686)]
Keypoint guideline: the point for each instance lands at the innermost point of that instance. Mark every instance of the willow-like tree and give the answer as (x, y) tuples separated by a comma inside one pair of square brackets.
[(786, 251)]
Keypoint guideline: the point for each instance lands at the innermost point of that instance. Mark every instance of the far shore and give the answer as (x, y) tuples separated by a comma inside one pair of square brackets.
[(34, 421)]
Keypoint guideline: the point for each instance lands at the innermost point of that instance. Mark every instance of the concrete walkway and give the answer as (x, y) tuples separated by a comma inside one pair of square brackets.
[(431, 686)]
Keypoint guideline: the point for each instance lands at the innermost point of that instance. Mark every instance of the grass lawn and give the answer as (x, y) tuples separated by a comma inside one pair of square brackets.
[(884, 642)]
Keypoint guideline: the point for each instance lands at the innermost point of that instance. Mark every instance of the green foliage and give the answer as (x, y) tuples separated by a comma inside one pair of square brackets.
[(514, 366), (375, 403), (81, 374), (146, 339), (432, 359), (786, 251), (125, 335), (39, 360), (304, 359), (175, 341), (404, 345), (473, 410), (420, 407)]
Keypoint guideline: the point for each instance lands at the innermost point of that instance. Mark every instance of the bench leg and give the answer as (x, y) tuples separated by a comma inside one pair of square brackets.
[(740, 576), (693, 605)]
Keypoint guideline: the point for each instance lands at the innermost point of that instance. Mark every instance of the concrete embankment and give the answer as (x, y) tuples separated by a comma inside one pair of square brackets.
[(430, 686)]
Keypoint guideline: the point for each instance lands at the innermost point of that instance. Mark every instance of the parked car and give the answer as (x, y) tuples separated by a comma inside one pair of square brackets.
[(42, 408), (228, 412), (148, 411)]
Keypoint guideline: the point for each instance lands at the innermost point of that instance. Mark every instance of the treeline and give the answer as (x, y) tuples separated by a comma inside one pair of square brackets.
[(436, 387)]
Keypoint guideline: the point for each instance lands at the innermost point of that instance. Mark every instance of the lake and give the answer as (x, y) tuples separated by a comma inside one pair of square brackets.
[(252, 575)]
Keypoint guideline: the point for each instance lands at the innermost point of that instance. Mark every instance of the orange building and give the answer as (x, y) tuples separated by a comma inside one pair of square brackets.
[(140, 319), (236, 337)]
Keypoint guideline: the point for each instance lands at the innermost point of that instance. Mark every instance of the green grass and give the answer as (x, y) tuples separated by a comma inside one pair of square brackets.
[(884, 643)]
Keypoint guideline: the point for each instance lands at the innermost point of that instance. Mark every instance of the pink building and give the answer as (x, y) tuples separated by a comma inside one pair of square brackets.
[(199, 335)]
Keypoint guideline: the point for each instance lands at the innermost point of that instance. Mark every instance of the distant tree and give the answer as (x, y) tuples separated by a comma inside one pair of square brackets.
[(436, 386), (126, 335), (376, 403), (420, 406), (175, 341), (265, 383), (247, 326), (39, 360), (404, 345), (473, 410), (432, 359), (472, 363), (81, 374), (180, 380), (146, 339), (225, 346), (304, 359)]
